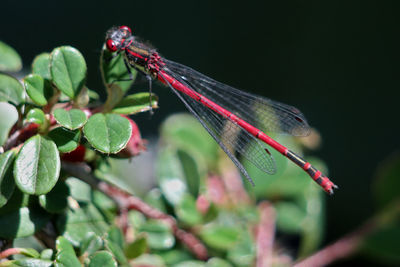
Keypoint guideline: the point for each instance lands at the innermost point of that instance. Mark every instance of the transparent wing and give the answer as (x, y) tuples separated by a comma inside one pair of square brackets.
[(263, 113), (230, 136)]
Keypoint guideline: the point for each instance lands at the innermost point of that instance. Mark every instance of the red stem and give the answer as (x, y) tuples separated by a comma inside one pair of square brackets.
[(8, 252)]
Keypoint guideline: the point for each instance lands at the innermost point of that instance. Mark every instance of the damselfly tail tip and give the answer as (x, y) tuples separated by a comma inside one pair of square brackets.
[(328, 185)]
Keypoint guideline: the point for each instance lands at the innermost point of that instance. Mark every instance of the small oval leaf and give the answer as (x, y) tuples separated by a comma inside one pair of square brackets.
[(36, 115), (56, 200), (66, 256), (7, 183), (114, 71), (8, 117), (77, 222), (108, 133), (71, 119), (38, 89), (68, 70), (66, 140), (220, 236), (9, 58), (22, 222), (102, 258), (37, 166), (11, 90), (136, 103), (27, 262), (41, 65), (187, 212), (91, 243), (136, 248), (159, 235)]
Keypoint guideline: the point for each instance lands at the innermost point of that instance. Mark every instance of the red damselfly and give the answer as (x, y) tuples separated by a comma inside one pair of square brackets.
[(235, 119)]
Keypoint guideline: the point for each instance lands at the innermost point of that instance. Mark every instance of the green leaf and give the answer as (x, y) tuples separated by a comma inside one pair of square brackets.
[(11, 90), (91, 243), (82, 99), (68, 70), (66, 256), (37, 166), (187, 212), (111, 172), (115, 235), (28, 243), (219, 236), (79, 190), (106, 205), (136, 219), (136, 248), (7, 183), (384, 245), (22, 222), (8, 117), (17, 200), (102, 258), (155, 199), (159, 235), (115, 244), (218, 262), (27, 262), (313, 226), (93, 95), (46, 254), (192, 171), (38, 89), (243, 253), (108, 133), (114, 70), (148, 260), (136, 103), (9, 58), (170, 176), (387, 182), (56, 201), (36, 115), (174, 256), (191, 263), (66, 140), (71, 119), (29, 252), (78, 221), (41, 66)]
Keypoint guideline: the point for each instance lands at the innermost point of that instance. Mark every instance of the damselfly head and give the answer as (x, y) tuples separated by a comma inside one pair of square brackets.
[(117, 38)]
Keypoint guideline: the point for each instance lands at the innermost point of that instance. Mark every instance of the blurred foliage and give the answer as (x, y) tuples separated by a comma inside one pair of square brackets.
[(196, 183)]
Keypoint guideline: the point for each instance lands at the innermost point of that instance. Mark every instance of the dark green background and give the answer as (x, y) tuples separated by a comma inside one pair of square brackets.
[(337, 61)]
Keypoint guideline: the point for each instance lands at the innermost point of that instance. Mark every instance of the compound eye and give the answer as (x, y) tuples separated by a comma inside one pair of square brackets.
[(125, 28), (111, 45)]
